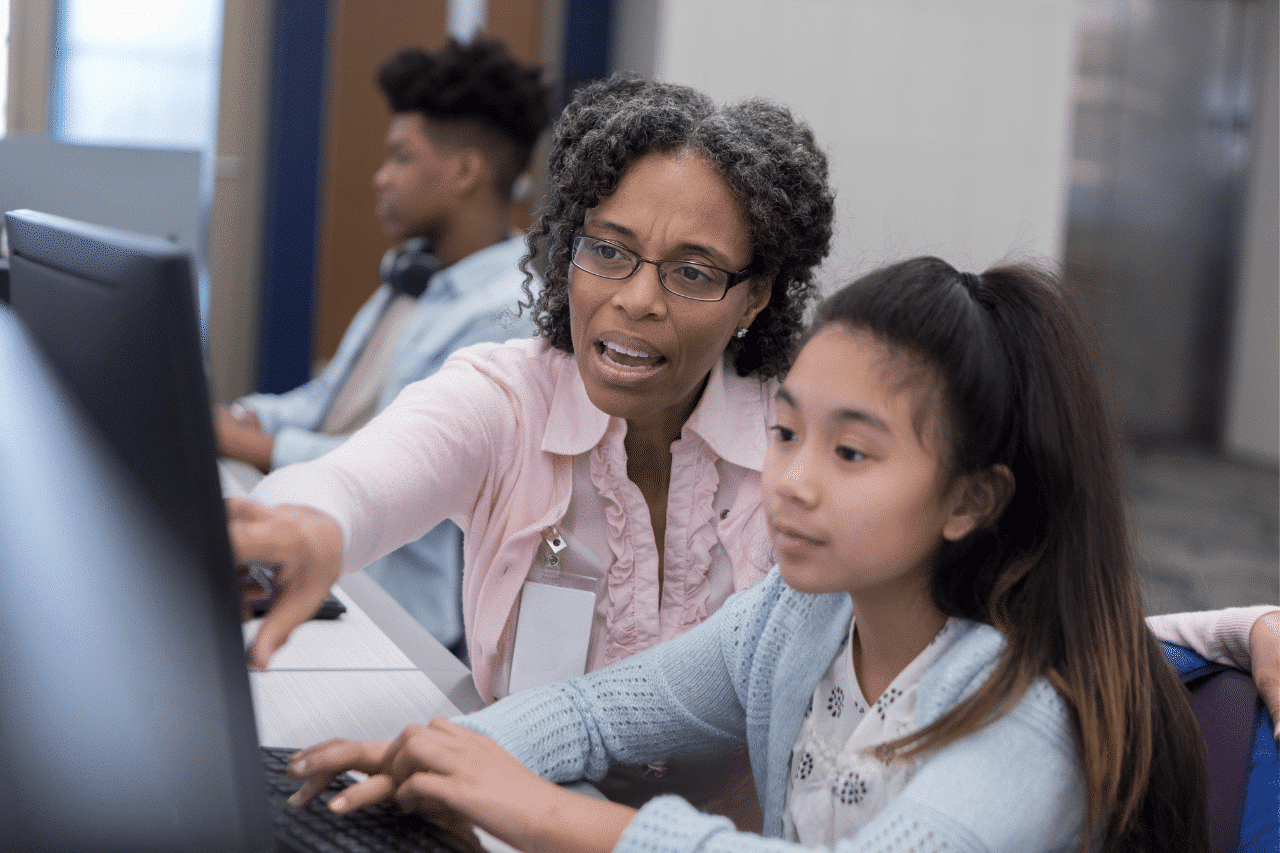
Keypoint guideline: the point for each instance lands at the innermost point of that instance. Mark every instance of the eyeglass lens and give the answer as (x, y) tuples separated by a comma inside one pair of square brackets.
[(683, 278)]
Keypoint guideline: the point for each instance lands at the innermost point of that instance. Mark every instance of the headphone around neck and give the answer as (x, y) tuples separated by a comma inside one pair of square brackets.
[(409, 266)]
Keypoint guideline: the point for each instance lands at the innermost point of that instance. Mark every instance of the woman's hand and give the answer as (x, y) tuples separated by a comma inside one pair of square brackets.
[(1264, 646), (444, 768), (240, 436), (302, 547)]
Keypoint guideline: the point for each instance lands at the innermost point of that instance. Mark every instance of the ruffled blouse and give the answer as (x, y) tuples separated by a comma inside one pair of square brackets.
[(698, 576), (608, 535)]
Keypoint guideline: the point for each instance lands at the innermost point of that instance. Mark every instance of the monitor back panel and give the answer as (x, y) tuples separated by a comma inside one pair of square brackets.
[(123, 724)]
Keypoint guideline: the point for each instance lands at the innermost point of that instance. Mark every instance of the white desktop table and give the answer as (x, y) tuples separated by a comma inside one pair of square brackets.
[(364, 675)]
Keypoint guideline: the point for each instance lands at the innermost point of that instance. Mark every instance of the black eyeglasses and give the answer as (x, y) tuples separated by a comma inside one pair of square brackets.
[(690, 279)]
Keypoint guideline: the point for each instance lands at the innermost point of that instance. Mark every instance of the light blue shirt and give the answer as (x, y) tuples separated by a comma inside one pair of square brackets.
[(470, 302)]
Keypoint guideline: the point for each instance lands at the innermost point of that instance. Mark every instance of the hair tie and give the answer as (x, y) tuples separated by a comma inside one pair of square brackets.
[(971, 282)]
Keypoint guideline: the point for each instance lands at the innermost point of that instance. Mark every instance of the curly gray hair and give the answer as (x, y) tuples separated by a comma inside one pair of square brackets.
[(769, 160)]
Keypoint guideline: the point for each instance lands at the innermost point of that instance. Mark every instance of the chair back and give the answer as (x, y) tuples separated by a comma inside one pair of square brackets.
[(1244, 770)]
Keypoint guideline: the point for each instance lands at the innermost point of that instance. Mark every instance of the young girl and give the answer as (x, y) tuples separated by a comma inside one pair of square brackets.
[(950, 654)]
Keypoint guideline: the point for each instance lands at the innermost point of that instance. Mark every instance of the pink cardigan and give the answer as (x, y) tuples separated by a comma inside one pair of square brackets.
[(489, 441)]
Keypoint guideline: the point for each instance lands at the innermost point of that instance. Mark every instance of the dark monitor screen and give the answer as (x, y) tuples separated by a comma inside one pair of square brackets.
[(115, 315), (125, 716)]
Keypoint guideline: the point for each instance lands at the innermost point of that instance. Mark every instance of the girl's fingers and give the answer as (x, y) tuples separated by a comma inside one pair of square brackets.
[(335, 756), (424, 791), (421, 793), (318, 765), (375, 789), (420, 749), (311, 787)]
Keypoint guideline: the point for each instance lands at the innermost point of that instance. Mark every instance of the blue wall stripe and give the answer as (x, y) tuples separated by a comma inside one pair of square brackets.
[(588, 38), (300, 32)]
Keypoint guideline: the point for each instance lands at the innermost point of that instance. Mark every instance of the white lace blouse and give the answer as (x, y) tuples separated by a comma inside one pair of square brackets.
[(836, 784)]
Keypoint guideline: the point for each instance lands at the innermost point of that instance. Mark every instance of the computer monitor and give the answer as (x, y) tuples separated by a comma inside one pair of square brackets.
[(115, 315), (126, 722)]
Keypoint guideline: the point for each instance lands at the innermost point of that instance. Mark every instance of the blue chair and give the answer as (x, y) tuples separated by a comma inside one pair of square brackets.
[(1244, 768)]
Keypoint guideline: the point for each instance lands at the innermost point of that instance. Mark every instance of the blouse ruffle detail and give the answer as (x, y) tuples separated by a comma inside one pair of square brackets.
[(691, 534), (608, 473)]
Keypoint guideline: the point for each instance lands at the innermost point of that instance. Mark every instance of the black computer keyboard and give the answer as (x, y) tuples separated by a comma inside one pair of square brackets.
[(379, 829)]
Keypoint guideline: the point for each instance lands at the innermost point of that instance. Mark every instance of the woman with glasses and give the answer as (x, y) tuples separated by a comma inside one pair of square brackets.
[(606, 472)]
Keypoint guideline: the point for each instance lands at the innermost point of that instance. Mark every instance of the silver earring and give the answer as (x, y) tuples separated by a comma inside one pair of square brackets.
[(742, 333)]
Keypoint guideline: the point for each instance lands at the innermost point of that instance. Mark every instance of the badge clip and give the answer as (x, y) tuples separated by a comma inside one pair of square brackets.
[(556, 543)]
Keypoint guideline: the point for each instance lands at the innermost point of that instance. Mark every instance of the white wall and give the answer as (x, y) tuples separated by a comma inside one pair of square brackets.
[(946, 121)]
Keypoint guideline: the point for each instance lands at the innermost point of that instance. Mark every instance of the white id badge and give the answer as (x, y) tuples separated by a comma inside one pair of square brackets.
[(553, 629)]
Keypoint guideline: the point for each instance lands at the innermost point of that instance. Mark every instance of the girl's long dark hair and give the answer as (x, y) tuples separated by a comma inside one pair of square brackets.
[(1018, 366)]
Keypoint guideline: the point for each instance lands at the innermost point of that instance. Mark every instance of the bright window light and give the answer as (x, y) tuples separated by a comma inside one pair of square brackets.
[(143, 73)]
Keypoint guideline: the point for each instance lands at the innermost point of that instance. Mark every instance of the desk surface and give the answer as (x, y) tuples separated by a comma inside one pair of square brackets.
[(425, 651), (364, 675)]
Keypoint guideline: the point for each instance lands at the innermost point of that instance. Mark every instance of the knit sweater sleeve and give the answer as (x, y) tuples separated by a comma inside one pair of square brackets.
[(680, 696), (670, 825)]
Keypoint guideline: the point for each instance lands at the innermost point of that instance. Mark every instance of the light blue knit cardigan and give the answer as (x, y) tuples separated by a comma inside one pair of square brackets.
[(746, 676)]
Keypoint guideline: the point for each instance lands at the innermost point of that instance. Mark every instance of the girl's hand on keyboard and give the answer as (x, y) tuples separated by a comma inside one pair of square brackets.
[(319, 765), (459, 831), (447, 769)]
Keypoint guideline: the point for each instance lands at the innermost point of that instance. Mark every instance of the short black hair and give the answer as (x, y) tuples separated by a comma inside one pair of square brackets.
[(477, 87)]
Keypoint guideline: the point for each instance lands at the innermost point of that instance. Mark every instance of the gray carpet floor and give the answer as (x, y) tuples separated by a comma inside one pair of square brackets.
[(1205, 530)]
